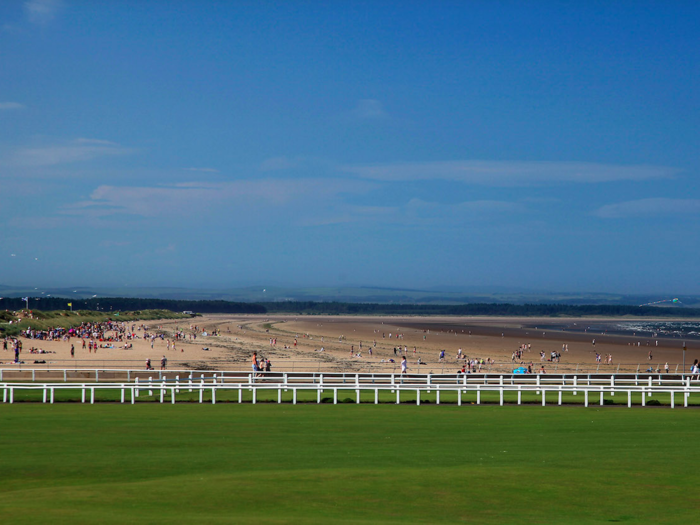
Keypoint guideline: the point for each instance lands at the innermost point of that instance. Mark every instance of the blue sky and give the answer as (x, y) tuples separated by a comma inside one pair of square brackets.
[(540, 145)]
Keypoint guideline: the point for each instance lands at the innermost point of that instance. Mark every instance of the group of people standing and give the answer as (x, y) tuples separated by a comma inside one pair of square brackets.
[(260, 365)]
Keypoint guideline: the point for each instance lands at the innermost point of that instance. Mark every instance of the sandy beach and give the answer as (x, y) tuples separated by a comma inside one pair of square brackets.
[(342, 343)]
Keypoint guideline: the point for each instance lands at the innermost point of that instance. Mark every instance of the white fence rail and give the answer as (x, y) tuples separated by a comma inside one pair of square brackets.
[(107, 375), (513, 386)]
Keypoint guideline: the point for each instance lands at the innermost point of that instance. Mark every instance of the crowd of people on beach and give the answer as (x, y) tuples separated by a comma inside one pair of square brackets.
[(120, 335)]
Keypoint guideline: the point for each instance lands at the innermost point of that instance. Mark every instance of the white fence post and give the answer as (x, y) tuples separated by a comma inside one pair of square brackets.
[(629, 385)]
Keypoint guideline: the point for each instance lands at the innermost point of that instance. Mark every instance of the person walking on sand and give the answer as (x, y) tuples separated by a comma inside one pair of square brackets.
[(164, 363), (666, 367), (404, 365), (72, 351)]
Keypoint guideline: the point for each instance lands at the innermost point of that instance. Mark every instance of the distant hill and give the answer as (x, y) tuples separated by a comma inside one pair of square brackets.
[(350, 294)]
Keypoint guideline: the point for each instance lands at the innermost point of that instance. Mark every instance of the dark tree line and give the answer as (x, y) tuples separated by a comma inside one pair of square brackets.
[(494, 309), (128, 304), (333, 308)]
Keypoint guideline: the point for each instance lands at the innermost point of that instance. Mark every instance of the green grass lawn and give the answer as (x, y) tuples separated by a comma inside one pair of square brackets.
[(269, 463)]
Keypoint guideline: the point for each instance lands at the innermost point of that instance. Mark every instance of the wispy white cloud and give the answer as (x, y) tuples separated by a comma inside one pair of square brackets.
[(279, 164), (6, 106), (11, 29), (422, 211), (203, 170), (41, 11), (504, 173), (369, 109), (250, 198), (108, 243), (83, 140), (73, 151), (418, 212), (649, 208), (317, 165)]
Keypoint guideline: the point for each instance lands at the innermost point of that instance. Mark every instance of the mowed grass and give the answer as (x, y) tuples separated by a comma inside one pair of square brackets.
[(269, 463)]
